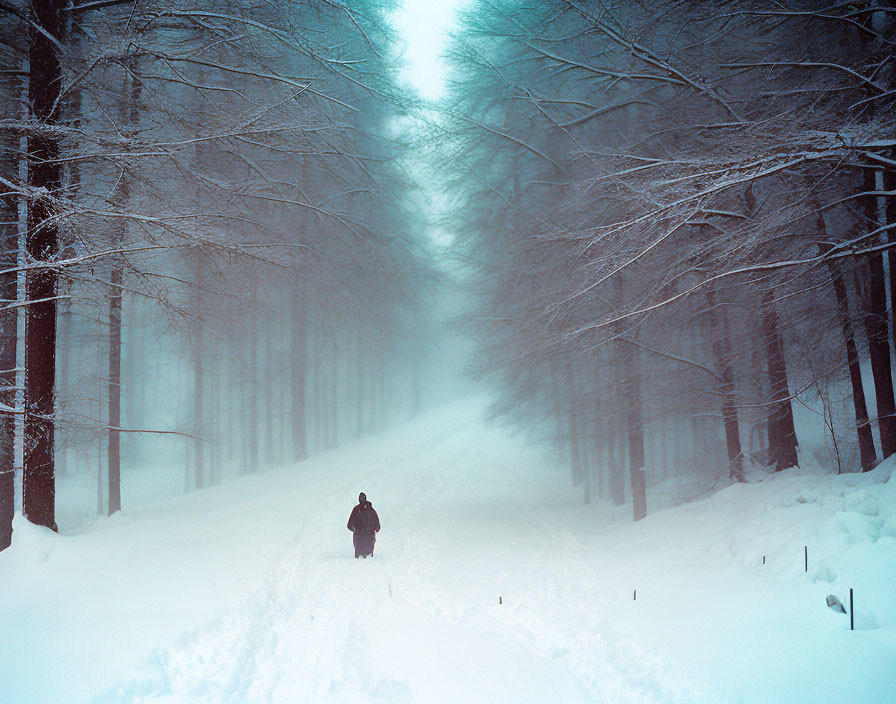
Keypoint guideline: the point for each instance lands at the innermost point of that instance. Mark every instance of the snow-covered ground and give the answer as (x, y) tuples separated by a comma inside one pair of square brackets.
[(249, 592)]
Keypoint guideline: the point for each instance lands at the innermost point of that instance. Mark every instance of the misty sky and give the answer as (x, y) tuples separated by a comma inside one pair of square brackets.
[(423, 24)]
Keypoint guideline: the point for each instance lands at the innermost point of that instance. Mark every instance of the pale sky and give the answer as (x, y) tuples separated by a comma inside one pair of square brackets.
[(423, 24)]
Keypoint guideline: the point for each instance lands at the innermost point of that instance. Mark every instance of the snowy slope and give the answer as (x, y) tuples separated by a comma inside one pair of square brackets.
[(248, 592)]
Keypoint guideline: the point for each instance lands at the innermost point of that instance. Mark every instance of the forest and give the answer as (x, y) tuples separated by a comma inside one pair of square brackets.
[(669, 222), (211, 247), (678, 221), (593, 300)]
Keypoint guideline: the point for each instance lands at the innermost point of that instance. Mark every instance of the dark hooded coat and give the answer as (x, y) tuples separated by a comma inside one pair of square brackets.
[(364, 524)]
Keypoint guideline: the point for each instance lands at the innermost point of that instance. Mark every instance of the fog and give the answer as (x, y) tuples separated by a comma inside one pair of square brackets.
[(629, 257)]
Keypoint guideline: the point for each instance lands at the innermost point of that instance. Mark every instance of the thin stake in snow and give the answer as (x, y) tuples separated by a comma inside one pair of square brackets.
[(806, 557), (500, 600), (763, 559), (852, 620), (634, 595)]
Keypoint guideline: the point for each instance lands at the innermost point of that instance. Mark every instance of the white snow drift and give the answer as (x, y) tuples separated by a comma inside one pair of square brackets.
[(249, 592)]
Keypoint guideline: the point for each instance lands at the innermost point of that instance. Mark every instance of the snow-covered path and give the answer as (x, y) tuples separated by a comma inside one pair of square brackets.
[(464, 524), (249, 592)]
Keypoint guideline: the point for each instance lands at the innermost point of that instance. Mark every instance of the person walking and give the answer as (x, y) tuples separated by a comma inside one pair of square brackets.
[(364, 525)]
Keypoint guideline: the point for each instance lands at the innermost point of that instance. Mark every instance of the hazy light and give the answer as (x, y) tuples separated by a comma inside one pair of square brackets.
[(424, 25)]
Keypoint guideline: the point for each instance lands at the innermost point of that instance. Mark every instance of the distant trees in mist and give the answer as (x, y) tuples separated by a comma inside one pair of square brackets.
[(679, 216), (206, 233)]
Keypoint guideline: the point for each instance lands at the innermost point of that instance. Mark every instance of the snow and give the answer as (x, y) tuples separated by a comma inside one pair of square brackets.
[(249, 592)]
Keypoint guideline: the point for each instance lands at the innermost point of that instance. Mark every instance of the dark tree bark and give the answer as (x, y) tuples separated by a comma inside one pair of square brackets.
[(596, 474), (8, 339), (634, 420), (333, 404), (130, 94), (867, 455), (614, 474), (248, 403), (252, 398), (382, 388), (417, 371), (875, 323), (115, 392), (199, 479), (600, 471), (575, 455), (359, 387), (617, 489), (44, 172), (299, 376), (328, 370), (216, 405), (557, 406), (721, 348), (270, 410), (63, 370), (782, 442), (890, 185)]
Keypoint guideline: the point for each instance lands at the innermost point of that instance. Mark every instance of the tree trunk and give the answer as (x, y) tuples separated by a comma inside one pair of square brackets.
[(867, 454), (721, 347), (782, 442), (215, 403), (575, 454), (333, 393), (198, 411), (114, 462), (63, 372), (889, 212), (45, 172), (381, 388), (299, 378), (325, 369), (130, 94), (617, 489), (102, 454), (283, 388), (252, 405), (597, 480), (663, 441), (417, 370), (359, 384), (270, 409), (875, 323), (8, 341), (635, 431)]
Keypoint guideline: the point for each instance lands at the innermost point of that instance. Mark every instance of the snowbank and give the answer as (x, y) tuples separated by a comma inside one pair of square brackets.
[(248, 592)]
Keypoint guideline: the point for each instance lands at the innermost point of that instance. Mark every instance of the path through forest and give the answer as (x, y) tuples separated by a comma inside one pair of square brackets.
[(466, 520), (249, 592)]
